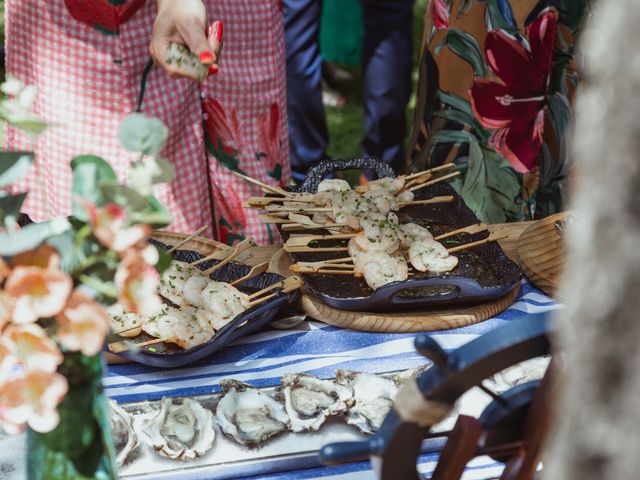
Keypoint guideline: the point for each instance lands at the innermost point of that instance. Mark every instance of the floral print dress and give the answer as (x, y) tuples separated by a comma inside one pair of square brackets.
[(89, 60)]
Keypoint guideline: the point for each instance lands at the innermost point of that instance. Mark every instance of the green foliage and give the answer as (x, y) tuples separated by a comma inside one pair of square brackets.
[(14, 166), (142, 134), (30, 236), (90, 173), (466, 47)]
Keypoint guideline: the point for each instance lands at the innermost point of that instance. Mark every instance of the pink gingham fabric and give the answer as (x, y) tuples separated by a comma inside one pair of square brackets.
[(89, 80)]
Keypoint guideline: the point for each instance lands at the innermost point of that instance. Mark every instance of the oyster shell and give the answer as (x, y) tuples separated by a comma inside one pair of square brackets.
[(310, 400), (124, 435), (373, 396), (249, 416), (182, 429)]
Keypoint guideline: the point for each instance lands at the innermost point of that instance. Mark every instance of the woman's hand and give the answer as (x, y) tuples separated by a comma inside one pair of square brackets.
[(185, 22)]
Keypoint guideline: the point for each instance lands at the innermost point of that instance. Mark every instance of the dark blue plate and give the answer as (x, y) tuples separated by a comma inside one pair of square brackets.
[(484, 272), (168, 355)]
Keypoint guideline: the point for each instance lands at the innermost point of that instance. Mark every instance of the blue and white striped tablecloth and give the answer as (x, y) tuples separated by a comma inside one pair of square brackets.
[(316, 348)]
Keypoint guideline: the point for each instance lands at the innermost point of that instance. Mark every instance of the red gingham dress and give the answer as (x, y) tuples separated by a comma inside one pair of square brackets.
[(89, 77)]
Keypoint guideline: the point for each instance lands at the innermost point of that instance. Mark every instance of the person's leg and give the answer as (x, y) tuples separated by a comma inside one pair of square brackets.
[(386, 66), (307, 122)]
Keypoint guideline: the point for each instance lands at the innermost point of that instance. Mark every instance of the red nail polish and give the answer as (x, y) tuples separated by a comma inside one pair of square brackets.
[(206, 58), (213, 69), (219, 30)]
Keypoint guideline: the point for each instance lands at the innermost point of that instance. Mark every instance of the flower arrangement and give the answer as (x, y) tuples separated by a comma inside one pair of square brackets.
[(57, 277)]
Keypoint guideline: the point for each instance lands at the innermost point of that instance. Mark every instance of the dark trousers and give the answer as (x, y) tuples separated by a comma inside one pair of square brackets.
[(386, 67)]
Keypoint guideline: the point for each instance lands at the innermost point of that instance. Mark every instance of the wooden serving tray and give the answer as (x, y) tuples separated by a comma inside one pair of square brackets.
[(426, 319), (542, 253)]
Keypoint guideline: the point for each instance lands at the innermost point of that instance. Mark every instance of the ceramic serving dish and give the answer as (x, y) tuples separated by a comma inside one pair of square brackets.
[(484, 272)]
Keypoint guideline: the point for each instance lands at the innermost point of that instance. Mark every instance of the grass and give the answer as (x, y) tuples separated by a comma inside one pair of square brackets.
[(346, 123)]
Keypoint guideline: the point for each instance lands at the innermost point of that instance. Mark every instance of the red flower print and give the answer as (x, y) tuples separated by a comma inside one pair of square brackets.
[(219, 128), (515, 108), (440, 14), (222, 134), (101, 13), (268, 141)]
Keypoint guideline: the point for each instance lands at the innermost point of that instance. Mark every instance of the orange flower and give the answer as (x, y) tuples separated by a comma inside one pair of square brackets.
[(44, 256), (137, 281), (109, 227), (83, 324), (31, 347), (37, 292), (7, 359), (33, 399)]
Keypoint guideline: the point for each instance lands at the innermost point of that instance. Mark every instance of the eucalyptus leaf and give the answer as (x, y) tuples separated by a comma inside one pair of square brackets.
[(89, 173), (466, 47), (141, 134), (30, 236), (123, 195), (14, 166), (10, 206)]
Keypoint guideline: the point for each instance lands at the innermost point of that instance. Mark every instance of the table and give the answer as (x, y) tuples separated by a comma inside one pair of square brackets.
[(312, 347)]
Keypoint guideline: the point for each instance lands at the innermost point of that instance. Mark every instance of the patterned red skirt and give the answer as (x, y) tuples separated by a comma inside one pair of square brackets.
[(92, 69)]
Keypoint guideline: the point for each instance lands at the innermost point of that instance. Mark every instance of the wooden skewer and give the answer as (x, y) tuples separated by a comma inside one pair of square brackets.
[(266, 186), (188, 239), (439, 168), (315, 250), (282, 208), (288, 227), (258, 202), (247, 242), (293, 284), (471, 229), (120, 332), (441, 199), (241, 247), (272, 218), (433, 182), (257, 270), (491, 238), (303, 240), (287, 285), (415, 181), (321, 270), (119, 347)]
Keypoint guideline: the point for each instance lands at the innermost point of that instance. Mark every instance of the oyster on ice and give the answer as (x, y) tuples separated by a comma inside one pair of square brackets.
[(124, 435), (182, 429), (247, 415), (373, 396), (310, 400)]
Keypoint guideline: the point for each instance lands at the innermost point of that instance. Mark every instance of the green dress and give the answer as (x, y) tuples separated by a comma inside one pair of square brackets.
[(341, 31)]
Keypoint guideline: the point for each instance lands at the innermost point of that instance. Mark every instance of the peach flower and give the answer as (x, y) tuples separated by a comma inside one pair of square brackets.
[(33, 399), (44, 256), (7, 359), (31, 347), (136, 282), (83, 324), (37, 292), (109, 227)]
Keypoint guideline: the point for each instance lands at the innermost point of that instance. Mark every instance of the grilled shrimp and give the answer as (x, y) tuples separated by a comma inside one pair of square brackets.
[(378, 238), (387, 184), (429, 255), (406, 196), (382, 201), (224, 301), (334, 184), (412, 232), (179, 327), (192, 290), (379, 269), (173, 279), (121, 320)]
